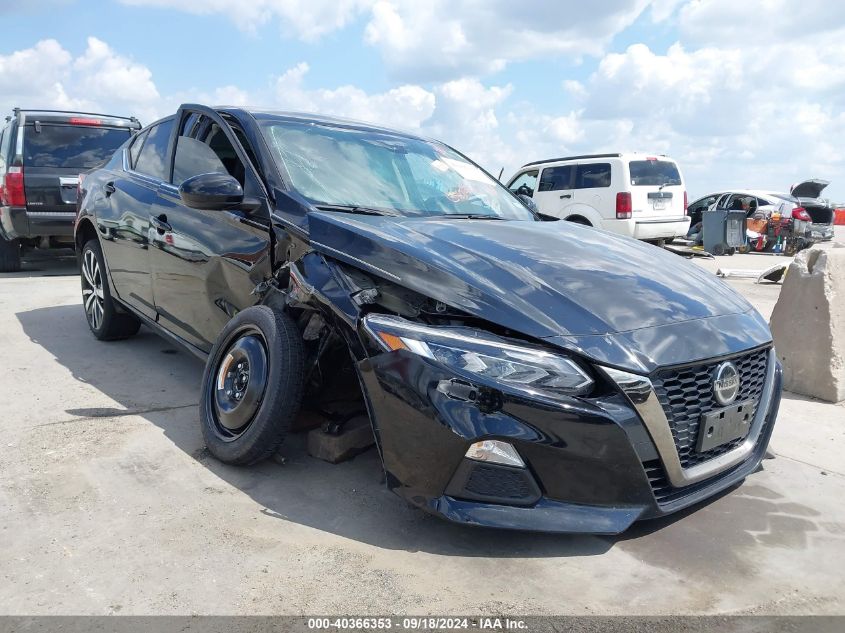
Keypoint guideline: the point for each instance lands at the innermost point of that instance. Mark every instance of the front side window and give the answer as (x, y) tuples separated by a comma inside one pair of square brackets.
[(654, 173), (340, 166), (75, 146), (592, 176), (152, 160), (525, 183), (203, 148), (702, 204), (557, 178)]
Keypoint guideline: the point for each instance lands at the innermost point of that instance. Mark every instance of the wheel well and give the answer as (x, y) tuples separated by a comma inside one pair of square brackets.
[(579, 219), (84, 232)]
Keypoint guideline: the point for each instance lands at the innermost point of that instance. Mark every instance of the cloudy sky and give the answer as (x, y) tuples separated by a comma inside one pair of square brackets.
[(746, 93)]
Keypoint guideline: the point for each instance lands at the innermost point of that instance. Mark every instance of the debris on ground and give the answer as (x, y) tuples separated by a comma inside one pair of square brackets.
[(772, 274)]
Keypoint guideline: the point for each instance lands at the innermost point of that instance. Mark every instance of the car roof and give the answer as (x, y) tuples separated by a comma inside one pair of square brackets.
[(627, 156), (63, 116), (320, 119), (758, 192)]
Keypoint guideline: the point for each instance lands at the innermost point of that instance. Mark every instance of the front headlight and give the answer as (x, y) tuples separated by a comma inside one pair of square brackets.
[(530, 370)]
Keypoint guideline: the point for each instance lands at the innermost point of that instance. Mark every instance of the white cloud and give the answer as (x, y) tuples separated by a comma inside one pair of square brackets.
[(443, 39), (105, 75), (306, 19), (737, 113), (439, 40), (48, 76), (405, 107)]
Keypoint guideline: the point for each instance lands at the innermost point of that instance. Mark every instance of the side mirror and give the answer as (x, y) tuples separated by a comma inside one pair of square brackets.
[(528, 202), (213, 192)]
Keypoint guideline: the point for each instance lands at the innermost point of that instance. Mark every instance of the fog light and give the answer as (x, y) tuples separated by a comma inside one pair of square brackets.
[(495, 452)]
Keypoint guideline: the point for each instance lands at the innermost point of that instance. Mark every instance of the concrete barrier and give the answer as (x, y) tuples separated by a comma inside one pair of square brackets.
[(808, 324)]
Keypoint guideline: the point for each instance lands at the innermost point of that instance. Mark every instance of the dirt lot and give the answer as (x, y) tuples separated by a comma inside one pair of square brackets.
[(110, 504)]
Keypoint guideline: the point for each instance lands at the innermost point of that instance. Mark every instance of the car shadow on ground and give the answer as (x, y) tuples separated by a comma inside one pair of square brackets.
[(151, 379)]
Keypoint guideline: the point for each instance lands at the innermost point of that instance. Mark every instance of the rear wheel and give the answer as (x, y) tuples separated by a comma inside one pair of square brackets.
[(105, 319), (10, 256), (252, 386)]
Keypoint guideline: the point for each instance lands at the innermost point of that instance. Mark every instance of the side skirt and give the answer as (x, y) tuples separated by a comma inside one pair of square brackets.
[(164, 333)]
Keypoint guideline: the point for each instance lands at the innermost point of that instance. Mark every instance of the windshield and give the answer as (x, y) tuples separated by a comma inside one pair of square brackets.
[(654, 173), (77, 146), (381, 171)]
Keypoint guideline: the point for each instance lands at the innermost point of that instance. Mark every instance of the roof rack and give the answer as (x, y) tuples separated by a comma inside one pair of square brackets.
[(555, 160), (108, 116)]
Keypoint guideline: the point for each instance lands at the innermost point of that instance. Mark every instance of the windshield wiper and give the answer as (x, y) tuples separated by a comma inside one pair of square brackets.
[(469, 216), (353, 208)]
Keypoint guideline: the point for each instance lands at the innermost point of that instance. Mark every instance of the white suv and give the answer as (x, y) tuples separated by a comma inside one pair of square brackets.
[(634, 194)]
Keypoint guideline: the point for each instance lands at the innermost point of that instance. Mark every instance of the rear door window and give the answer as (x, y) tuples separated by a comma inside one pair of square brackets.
[(152, 160), (654, 173), (592, 176), (70, 146), (135, 148), (557, 178)]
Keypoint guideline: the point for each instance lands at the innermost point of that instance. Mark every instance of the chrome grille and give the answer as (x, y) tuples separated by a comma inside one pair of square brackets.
[(686, 393)]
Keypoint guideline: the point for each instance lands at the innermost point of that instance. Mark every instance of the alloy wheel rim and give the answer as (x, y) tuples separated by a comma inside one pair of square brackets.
[(92, 290)]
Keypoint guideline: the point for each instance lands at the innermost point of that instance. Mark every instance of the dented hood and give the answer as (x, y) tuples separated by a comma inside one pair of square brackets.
[(809, 188), (607, 296)]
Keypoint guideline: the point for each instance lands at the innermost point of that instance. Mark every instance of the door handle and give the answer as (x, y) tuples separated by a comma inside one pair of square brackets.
[(109, 188), (565, 195), (161, 224)]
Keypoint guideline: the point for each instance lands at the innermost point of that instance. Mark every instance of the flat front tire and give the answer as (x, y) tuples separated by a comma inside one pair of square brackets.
[(105, 320), (252, 386)]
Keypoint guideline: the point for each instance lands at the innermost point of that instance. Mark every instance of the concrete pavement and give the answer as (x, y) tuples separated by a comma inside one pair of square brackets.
[(110, 504)]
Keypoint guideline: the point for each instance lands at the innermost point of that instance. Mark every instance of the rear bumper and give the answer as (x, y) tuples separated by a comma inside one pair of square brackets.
[(821, 232), (18, 222), (649, 228), (590, 463)]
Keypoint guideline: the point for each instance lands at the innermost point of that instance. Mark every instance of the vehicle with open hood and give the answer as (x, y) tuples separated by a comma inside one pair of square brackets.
[(517, 373)]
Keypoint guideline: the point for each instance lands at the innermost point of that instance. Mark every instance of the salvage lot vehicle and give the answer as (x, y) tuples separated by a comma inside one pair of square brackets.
[(821, 211), (42, 153), (517, 373), (631, 194), (802, 204)]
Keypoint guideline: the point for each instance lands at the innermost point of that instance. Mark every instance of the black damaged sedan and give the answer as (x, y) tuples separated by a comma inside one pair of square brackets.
[(518, 373)]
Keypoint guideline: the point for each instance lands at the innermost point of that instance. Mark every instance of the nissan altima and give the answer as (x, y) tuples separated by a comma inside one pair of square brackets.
[(517, 372)]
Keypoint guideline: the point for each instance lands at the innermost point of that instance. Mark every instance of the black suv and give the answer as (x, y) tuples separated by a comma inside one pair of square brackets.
[(517, 373), (42, 153)]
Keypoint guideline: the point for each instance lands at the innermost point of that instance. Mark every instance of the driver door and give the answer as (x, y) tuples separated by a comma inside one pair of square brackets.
[(206, 263)]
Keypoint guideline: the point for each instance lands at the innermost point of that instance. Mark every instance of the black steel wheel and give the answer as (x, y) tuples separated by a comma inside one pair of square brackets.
[(252, 386), (240, 383)]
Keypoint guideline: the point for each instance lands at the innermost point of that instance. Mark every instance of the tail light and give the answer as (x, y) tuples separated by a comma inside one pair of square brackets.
[(623, 205), (686, 204), (12, 192), (800, 213)]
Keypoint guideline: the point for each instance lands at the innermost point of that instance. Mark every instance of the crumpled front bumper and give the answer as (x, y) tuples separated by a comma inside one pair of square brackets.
[(588, 456)]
